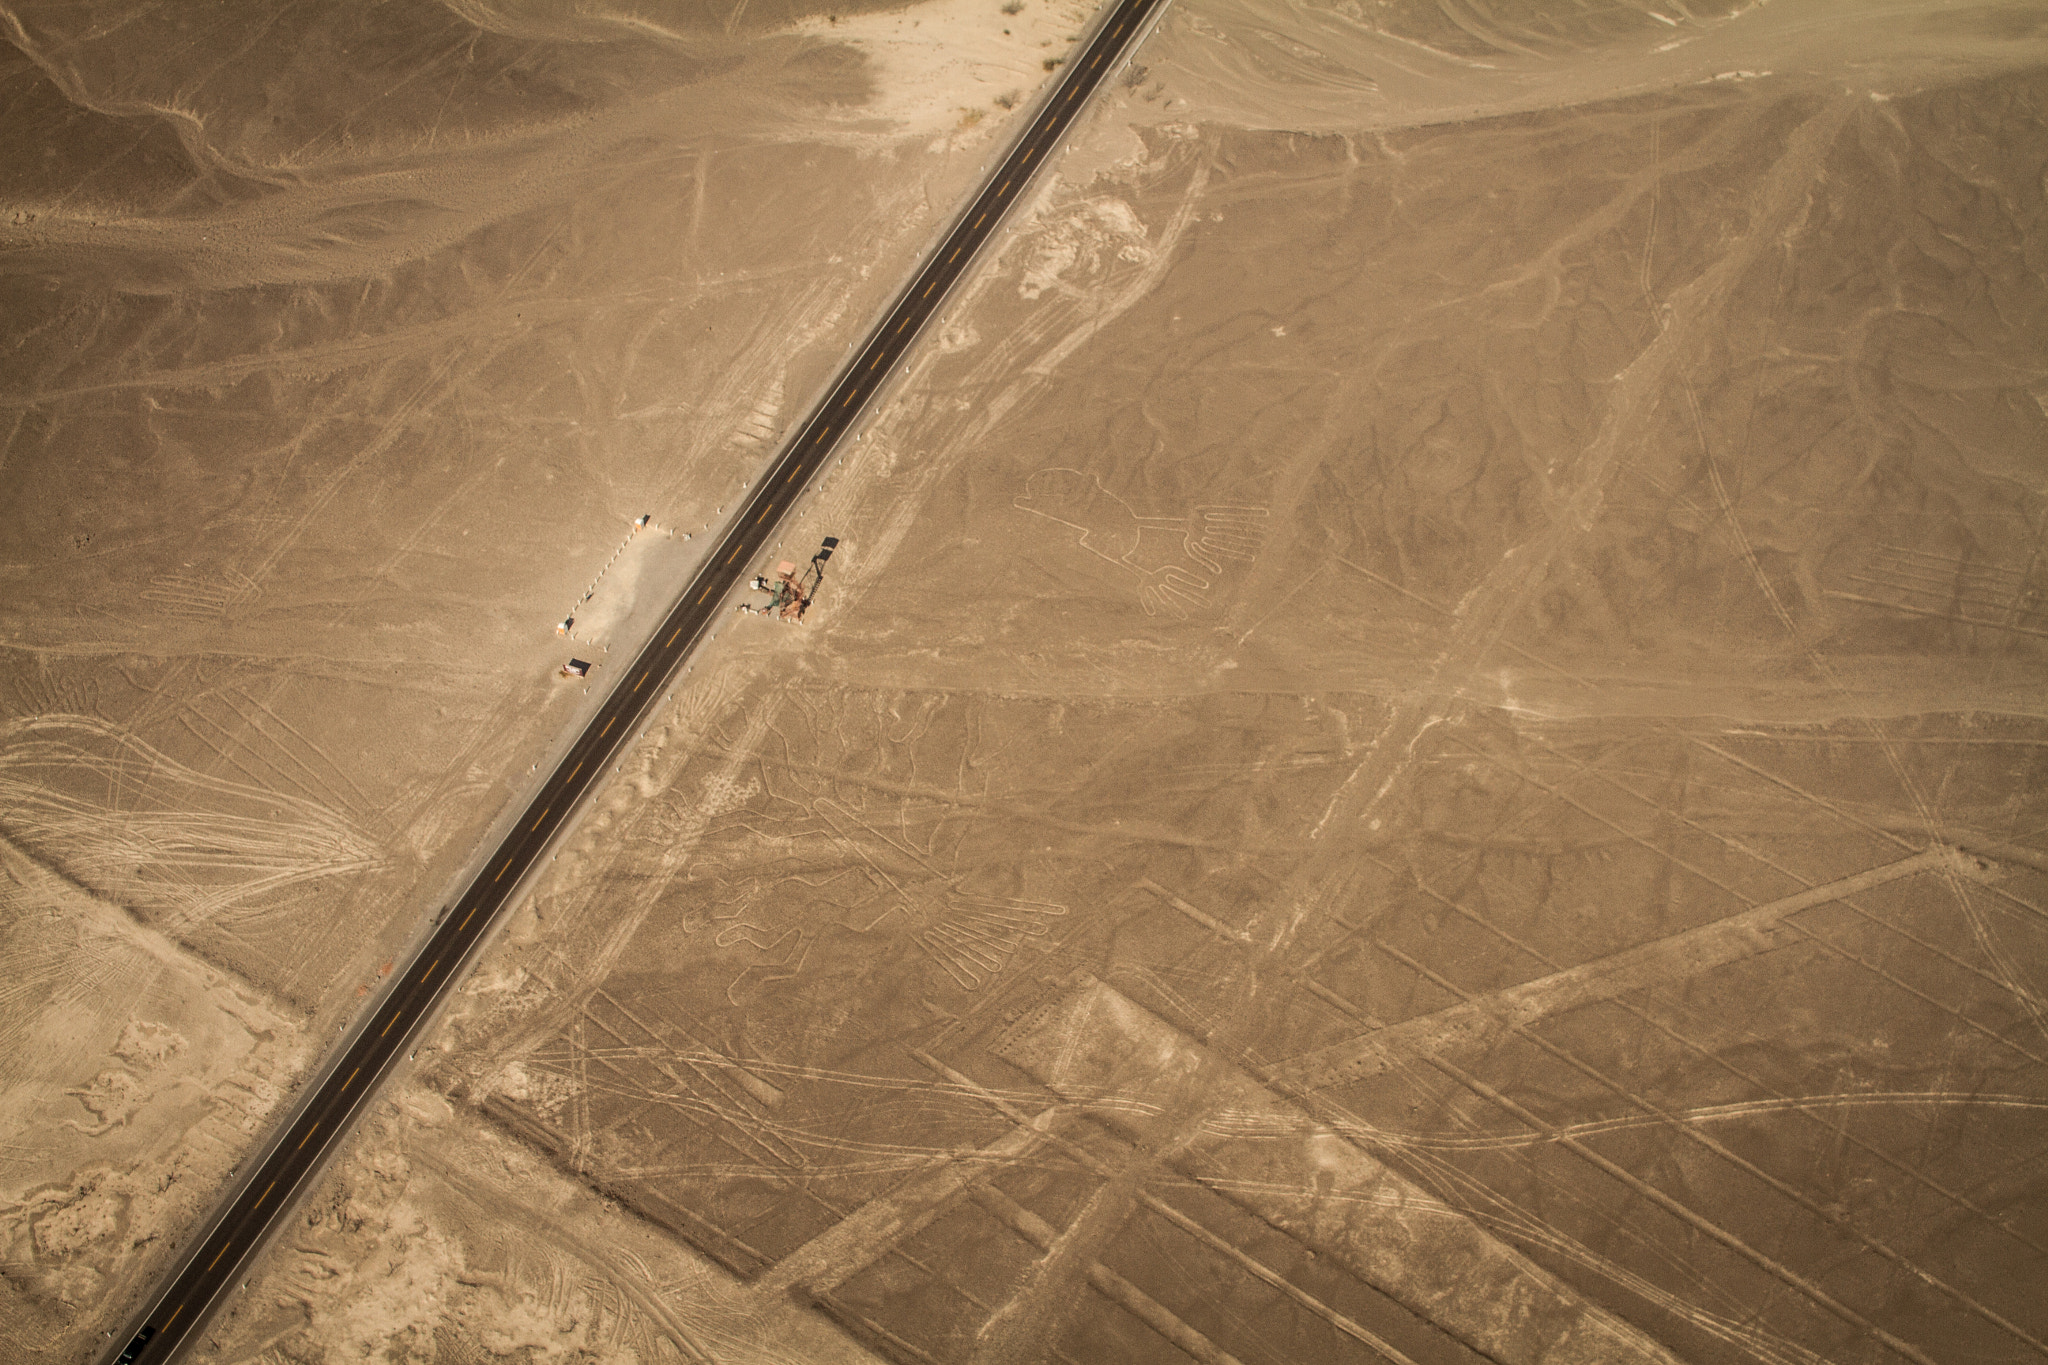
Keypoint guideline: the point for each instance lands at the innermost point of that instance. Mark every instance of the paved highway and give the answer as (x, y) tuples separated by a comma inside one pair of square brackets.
[(218, 1259)]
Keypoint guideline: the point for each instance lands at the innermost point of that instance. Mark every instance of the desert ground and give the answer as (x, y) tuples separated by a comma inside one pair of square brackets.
[(1427, 742)]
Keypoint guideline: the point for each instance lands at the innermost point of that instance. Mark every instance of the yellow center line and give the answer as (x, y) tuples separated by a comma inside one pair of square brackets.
[(503, 870), (672, 638), (1073, 91), (954, 257), (430, 970), (928, 289), (800, 469), (579, 762), (899, 329), (1098, 57), (707, 592), (1120, 28), (173, 1317), (735, 553), (764, 514), (263, 1196), (1028, 155), (458, 929), (543, 814), (218, 1254), (850, 396), (977, 222), (614, 720), (643, 680), (302, 1142), (395, 1013), (1004, 190), (351, 1078)]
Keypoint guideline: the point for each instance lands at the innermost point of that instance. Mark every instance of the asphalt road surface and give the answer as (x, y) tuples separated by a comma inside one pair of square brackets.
[(214, 1262)]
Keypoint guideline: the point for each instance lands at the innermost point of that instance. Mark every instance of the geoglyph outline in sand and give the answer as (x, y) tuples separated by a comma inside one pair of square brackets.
[(1163, 551), (969, 935)]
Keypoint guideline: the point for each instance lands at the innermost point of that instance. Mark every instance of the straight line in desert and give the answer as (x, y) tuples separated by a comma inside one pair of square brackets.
[(1029, 1133), (1694, 1134), (1097, 1049), (1675, 957), (1488, 611)]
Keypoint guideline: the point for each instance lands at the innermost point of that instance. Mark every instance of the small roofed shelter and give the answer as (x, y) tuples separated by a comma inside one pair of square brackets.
[(640, 522), (576, 668)]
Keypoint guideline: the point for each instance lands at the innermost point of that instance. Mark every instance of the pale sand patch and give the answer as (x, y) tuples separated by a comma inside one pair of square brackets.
[(940, 68)]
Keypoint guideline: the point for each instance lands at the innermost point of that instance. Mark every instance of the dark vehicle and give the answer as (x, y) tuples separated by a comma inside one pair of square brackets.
[(134, 1351)]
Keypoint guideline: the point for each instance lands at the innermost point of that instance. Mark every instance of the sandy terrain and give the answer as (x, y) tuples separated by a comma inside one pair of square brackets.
[(342, 350), (1425, 744)]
